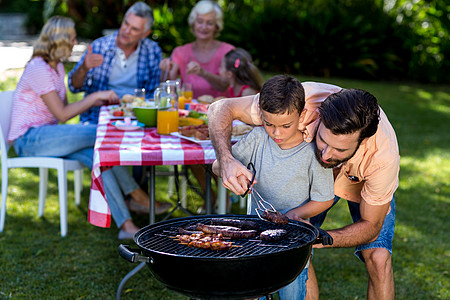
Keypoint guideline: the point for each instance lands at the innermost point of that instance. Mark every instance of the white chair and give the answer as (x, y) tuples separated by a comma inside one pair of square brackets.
[(43, 163)]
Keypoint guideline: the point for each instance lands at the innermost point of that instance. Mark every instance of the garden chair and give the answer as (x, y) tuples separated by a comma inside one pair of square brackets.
[(43, 163)]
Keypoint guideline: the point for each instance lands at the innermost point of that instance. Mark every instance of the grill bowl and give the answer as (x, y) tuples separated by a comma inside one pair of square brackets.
[(241, 272)]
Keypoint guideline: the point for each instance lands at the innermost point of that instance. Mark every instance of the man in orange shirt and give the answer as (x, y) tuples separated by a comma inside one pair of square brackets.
[(354, 137)]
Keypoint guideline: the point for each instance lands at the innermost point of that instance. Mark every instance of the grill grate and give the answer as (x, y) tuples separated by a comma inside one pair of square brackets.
[(158, 238)]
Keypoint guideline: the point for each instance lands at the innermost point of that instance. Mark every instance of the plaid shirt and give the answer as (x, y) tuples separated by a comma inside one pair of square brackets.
[(97, 79)]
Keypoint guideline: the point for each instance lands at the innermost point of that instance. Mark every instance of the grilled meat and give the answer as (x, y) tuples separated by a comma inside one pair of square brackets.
[(192, 229), (227, 231), (243, 224), (275, 217), (204, 241), (272, 235)]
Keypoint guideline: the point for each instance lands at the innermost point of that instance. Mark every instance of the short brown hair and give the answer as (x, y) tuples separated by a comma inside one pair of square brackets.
[(282, 94)]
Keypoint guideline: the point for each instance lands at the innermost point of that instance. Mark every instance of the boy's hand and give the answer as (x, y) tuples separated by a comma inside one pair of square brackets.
[(236, 177)]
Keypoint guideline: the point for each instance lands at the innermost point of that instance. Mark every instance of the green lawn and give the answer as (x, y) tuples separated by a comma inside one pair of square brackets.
[(36, 263)]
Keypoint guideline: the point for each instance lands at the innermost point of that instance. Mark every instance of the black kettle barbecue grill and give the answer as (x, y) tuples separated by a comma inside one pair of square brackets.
[(253, 269)]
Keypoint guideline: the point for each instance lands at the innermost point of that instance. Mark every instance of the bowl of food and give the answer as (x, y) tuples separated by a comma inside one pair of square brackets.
[(145, 112)]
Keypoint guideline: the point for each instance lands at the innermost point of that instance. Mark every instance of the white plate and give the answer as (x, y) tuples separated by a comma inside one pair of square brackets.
[(201, 142), (111, 108), (133, 126)]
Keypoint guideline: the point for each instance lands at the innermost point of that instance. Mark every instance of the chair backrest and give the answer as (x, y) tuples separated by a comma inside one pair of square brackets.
[(6, 99)]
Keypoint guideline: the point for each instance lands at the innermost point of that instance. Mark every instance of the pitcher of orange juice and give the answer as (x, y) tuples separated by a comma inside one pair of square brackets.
[(167, 100)]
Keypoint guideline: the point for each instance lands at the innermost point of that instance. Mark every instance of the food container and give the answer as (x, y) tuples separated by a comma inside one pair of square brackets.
[(146, 114)]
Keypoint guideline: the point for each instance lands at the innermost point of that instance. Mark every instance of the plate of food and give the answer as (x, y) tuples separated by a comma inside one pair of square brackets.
[(128, 124), (200, 134), (120, 112)]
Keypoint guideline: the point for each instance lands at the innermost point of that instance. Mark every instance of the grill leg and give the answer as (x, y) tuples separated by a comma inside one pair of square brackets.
[(125, 279)]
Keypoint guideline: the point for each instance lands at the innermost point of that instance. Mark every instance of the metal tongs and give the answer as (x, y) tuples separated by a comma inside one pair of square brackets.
[(262, 205)]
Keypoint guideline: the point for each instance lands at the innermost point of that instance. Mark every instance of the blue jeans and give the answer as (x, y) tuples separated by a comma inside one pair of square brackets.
[(67, 141), (385, 237), (296, 290), (118, 182), (77, 142)]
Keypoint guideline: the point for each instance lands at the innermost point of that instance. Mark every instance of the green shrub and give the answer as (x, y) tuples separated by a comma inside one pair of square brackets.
[(370, 39)]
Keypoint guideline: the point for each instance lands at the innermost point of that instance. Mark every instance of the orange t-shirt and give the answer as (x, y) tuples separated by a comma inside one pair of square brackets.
[(376, 163)]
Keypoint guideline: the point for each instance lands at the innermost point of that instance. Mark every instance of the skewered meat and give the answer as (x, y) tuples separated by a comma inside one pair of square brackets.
[(227, 231), (243, 224), (204, 241), (275, 217), (272, 235)]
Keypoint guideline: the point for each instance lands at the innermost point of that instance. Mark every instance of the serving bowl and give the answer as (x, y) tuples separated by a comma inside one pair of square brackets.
[(146, 114)]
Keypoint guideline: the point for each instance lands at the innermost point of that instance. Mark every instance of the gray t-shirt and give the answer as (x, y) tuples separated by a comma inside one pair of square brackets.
[(286, 178)]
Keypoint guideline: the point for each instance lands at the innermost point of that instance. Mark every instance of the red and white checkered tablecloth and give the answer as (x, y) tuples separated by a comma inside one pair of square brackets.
[(144, 147)]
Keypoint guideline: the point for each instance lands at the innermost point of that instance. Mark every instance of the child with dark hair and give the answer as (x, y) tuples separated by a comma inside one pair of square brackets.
[(243, 76), (287, 173)]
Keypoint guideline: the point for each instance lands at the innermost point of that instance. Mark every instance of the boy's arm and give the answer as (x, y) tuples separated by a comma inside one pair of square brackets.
[(309, 209)]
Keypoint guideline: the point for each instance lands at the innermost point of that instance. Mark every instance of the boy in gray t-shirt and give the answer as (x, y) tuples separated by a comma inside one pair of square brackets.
[(287, 172)]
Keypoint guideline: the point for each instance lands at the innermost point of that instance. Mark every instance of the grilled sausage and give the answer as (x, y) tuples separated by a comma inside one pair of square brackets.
[(188, 230), (272, 235), (275, 217), (243, 224), (227, 231)]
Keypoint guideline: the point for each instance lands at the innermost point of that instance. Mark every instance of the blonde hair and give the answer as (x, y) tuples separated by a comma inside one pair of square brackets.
[(206, 7), (54, 42)]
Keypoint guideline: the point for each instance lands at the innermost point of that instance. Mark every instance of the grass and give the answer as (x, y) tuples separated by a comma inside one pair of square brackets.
[(36, 263)]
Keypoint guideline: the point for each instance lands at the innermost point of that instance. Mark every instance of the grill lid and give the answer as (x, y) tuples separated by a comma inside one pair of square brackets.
[(159, 238)]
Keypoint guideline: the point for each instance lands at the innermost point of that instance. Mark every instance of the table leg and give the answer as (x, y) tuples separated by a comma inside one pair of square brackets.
[(208, 190), (151, 192), (221, 197)]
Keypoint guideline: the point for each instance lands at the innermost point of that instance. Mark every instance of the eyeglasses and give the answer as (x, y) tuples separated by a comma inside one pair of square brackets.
[(250, 164)]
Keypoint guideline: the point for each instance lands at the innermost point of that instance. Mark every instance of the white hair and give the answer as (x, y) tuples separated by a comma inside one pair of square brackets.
[(206, 7), (141, 9)]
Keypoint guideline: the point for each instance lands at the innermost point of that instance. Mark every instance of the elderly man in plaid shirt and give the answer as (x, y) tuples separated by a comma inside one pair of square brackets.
[(122, 61)]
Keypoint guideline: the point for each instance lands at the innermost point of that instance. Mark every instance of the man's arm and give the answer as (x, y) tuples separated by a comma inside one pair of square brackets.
[(220, 118), (91, 60), (363, 231)]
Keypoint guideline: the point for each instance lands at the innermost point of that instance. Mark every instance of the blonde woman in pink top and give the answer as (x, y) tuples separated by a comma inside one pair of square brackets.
[(40, 103), (198, 62)]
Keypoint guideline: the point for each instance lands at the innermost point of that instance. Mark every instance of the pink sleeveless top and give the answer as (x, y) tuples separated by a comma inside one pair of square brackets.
[(231, 94), (182, 55)]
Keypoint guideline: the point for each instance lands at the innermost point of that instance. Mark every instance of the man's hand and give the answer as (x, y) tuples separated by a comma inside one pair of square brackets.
[(236, 177), (92, 60)]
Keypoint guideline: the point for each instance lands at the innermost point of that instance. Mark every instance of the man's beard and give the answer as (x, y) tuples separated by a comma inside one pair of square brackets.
[(332, 162)]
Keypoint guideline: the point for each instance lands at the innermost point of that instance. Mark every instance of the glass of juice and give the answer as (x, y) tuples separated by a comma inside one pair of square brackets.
[(167, 121), (139, 93), (181, 101), (187, 92)]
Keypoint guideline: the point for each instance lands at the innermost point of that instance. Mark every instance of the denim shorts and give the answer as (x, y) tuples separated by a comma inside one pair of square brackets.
[(385, 237)]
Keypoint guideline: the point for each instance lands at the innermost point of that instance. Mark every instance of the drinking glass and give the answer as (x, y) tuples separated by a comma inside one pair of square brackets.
[(139, 93), (187, 92)]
